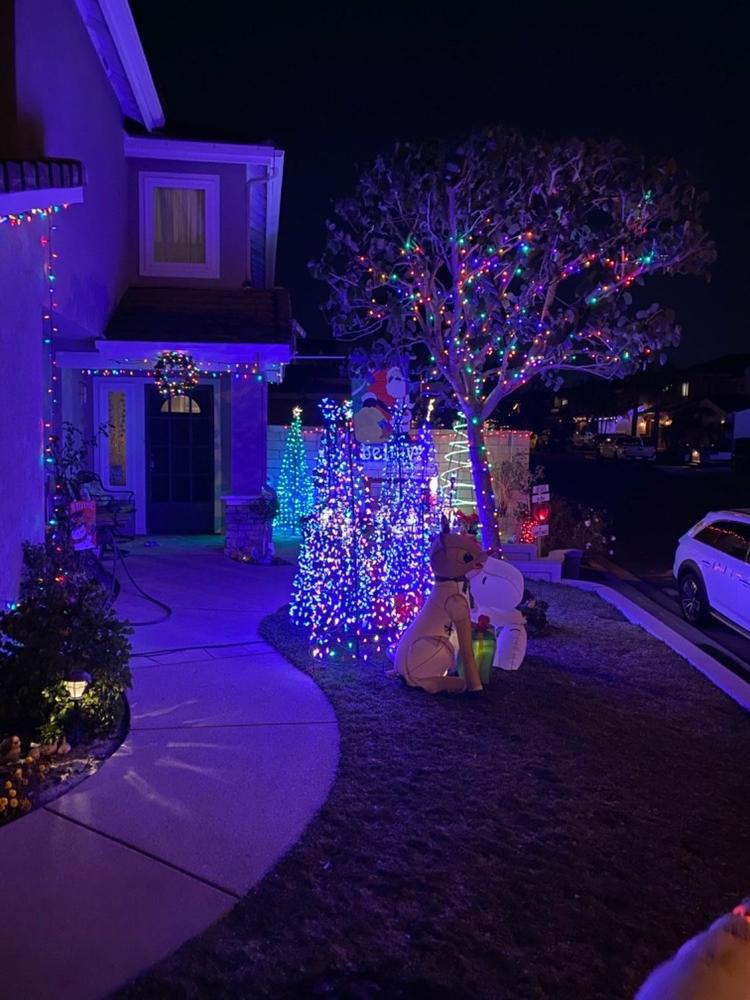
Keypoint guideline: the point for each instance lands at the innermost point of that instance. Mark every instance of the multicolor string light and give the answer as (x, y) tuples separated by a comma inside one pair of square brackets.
[(239, 370), (30, 215)]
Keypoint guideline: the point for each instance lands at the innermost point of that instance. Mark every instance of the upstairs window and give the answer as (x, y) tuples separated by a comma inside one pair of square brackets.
[(179, 225)]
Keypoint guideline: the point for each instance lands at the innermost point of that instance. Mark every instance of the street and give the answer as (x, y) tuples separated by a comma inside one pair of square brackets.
[(649, 507)]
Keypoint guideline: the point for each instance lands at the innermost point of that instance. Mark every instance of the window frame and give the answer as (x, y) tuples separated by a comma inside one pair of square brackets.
[(722, 526), (209, 184)]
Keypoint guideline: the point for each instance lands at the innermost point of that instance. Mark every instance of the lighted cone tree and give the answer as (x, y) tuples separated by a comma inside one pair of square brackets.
[(456, 479), (407, 518), (334, 591), (295, 486), (509, 259)]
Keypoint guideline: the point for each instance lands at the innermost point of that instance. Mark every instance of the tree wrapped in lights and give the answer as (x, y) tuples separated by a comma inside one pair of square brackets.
[(295, 487), (334, 591), (407, 518), (509, 259)]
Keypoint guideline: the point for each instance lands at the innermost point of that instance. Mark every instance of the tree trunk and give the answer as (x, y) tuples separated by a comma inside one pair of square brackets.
[(480, 473), (634, 421)]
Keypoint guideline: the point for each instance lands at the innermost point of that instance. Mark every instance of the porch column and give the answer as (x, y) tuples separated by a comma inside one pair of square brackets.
[(248, 528)]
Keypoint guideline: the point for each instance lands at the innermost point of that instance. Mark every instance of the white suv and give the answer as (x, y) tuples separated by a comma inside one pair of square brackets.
[(626, 446), (712, 568)]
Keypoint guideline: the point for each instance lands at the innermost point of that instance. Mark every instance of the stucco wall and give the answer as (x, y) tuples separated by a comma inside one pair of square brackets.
[(22, 295), (233, 222), (67, 108)]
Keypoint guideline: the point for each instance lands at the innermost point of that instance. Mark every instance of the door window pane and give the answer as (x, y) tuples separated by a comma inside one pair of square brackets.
[(160, 489), (181, 489), (180, 404), (117, 439)]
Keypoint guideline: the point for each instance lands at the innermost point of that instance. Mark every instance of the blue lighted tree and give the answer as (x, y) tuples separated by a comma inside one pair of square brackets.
[(407, 517), (295, 487), (334, 591)]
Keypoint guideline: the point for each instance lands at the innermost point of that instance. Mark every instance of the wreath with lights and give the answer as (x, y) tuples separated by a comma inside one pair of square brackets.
[(175, 372)]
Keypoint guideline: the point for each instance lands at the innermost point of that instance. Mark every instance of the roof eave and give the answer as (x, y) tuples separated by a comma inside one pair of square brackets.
[(123, 34)]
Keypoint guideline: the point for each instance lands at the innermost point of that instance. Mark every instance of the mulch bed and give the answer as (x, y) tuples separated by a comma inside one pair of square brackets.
[(557, 838), (62, 772)]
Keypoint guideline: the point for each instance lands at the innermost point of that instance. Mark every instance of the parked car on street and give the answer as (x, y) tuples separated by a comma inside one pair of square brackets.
[(626, 446), (712, 569), (584, 439)]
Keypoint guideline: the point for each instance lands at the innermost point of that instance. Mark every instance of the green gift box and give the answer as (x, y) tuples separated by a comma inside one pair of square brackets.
[(483, 643)]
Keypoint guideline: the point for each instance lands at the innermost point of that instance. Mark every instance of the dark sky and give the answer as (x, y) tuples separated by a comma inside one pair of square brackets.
[(335, 84)]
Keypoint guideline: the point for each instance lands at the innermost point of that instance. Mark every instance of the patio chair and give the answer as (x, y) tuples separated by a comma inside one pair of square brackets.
[(115, 512)]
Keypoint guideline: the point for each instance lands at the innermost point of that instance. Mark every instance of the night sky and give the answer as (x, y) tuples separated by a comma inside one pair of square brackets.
[(334, 86)]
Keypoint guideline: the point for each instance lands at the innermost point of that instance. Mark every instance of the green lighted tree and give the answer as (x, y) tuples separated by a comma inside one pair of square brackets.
[(456, 479), (295, 487), (508, 259)]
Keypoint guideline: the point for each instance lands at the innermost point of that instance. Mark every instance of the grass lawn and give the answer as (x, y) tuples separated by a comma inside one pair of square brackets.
[(557, 838)]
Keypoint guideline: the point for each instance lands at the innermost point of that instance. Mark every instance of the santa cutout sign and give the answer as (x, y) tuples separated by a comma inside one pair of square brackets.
[(376, 396)]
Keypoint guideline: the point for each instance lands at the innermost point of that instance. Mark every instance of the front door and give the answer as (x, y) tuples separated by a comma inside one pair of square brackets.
[(180, 462)]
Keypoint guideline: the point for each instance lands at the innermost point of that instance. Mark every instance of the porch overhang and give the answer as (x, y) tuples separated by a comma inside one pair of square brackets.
[(219, 328)]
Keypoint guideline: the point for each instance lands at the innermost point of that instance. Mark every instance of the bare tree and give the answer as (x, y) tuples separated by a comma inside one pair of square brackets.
[(509, 259)]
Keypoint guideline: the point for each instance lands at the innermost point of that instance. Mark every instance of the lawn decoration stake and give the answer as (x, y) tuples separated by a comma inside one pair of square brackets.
[(425, 654)]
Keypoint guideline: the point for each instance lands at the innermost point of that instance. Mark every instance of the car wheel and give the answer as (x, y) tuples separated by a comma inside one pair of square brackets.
[(693, 599)]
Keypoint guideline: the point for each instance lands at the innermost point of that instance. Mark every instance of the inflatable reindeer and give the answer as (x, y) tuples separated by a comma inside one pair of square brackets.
[(425, 653)]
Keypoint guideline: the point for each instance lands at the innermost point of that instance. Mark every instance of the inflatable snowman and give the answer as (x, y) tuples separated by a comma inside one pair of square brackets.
[(496, 592), (714, 965)]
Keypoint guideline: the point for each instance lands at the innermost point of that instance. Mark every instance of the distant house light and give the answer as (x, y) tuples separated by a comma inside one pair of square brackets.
[(685, 388)]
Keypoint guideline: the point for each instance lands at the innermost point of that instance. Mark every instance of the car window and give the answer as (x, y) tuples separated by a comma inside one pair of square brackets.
[(729, 537)]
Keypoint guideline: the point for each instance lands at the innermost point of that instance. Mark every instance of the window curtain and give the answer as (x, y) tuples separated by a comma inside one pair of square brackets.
[(179, 225)]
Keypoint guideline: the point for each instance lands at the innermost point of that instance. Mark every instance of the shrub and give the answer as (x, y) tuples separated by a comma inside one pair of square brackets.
[(63, 622), (576, 526)]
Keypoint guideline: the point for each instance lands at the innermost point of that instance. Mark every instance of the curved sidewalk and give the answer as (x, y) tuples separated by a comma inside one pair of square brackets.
[(231, 752)]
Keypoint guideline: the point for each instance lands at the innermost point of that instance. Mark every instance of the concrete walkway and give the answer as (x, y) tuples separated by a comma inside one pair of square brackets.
[(231, 752)]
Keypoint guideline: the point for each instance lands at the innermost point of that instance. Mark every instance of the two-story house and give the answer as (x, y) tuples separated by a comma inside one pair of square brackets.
[(118, 244)]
